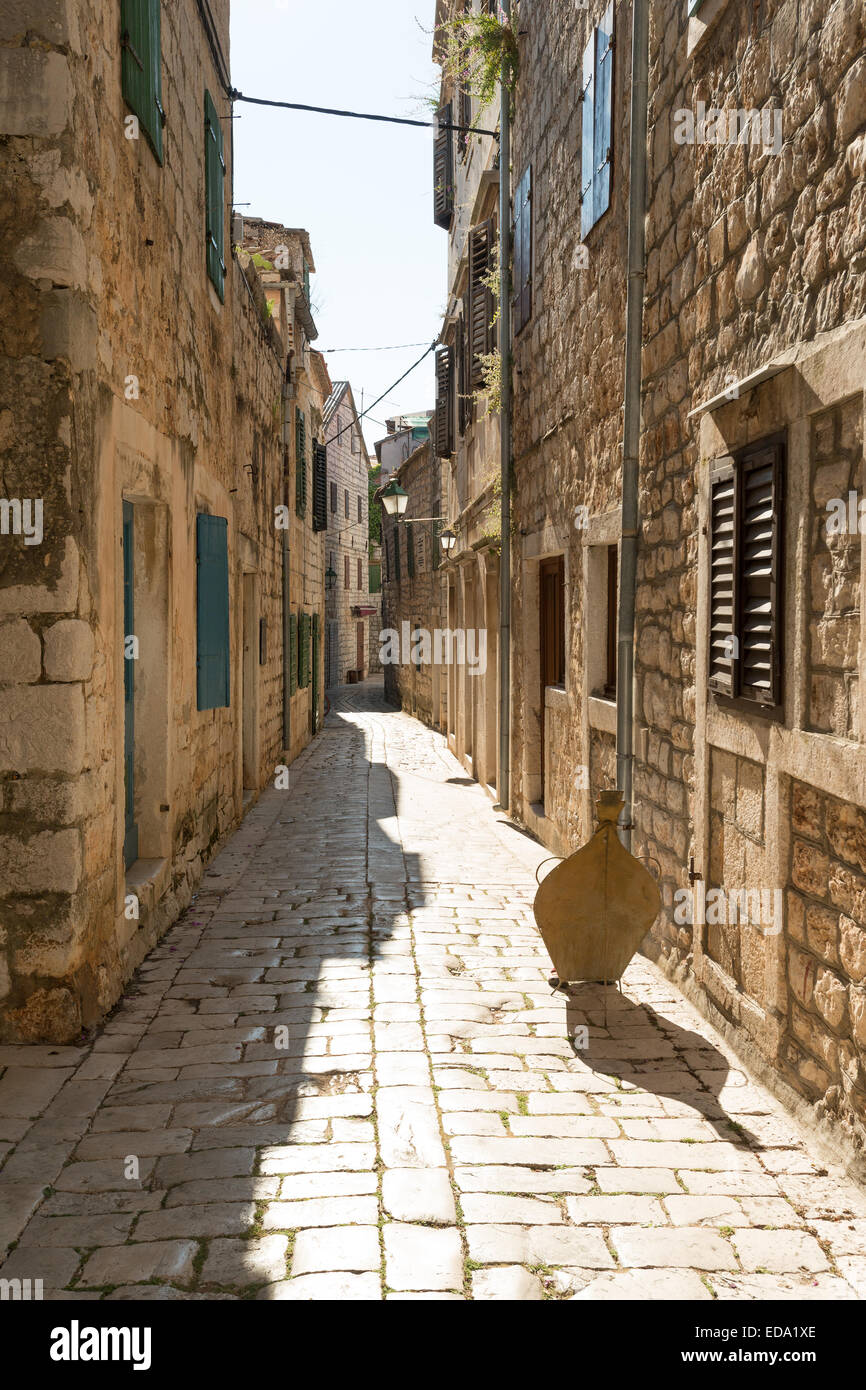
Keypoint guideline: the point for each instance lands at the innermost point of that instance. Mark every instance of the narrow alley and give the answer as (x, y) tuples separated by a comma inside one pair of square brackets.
[(343, 1075)]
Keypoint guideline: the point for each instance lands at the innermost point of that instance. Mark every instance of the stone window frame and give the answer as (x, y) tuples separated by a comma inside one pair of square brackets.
[(701, 17), (601, 532), (812, 378)]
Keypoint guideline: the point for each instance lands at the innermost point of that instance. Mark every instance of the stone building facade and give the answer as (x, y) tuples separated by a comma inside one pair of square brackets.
[(413, 593), (347, 542), (465, 426), (750, 766), (146, 399)]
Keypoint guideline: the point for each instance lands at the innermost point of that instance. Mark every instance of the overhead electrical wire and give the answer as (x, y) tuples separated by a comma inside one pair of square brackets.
[(394, 347), (373, 405), (235, 95)]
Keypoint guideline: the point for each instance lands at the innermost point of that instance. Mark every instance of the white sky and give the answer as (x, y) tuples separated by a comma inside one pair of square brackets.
[(363, 190)]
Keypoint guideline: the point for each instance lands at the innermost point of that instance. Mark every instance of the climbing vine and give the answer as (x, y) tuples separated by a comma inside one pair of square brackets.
[(475, 48)]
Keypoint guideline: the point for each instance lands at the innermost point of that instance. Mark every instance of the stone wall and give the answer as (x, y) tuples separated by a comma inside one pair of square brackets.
[(348, 537), (123, 377), (413, 601)]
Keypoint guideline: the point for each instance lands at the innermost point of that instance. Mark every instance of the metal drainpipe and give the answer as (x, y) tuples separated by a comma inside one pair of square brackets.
[(631, 423), (504, 785)]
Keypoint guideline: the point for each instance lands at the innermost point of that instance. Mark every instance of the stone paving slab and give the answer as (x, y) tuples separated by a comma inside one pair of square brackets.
[(343, 1075)]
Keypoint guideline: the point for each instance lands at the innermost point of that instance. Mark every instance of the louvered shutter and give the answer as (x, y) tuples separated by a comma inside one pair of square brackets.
[(212, 612), (287, 651), (293, 653), (397, 554), (463, 412), (304, 677), (723, 514), (758, 573), (523, 252), (603, 124), (320, 487), (300, 463), (587, 144), (481, 307), (410, 553), (315, 671), (215, 177), (334, 497), (141, 66), (443, 424), (443, 170)]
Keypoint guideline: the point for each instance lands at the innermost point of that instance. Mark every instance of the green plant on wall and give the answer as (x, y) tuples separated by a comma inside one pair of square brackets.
[(475, 47), (489, 393)]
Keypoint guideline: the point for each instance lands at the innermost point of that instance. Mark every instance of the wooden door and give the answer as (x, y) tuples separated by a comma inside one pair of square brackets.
[(359, 661), (551, 611)]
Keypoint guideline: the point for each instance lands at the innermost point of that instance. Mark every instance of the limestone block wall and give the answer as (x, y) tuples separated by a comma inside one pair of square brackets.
[(122, 377), (568, 371)]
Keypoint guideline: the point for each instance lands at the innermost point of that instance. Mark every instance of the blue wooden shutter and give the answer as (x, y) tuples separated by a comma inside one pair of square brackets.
[(587, 164), (603, 134), (141, 67), (215, 176), (212, 611), (522, 289)]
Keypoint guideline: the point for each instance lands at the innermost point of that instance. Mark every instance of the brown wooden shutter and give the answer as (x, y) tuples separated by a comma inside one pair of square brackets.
[(759, 573), (443, 427), (463, 401), (481, 307), (465, 119), (443, 170), (723, 634)]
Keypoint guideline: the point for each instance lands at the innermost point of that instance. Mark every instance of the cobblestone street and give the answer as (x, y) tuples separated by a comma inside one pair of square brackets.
[(343, 1074)]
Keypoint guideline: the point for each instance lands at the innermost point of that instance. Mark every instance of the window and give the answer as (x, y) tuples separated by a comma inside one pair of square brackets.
[(360, 509), (215, 178), (360, 575), (612, 607), (481, 305), (320, 487), (745, 626), (300, 463), (443, 429), (552, 613), (212, 611), (443, 169), (410, 552), (141, 67), (522, 292), (397, 554), (334, 498), (597, 128), (356, 442), (347, 581)]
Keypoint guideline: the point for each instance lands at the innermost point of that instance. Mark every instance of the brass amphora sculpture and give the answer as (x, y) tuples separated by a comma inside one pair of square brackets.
[(594, 909)]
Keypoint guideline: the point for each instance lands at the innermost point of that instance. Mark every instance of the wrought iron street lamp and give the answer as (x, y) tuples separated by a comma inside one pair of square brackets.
[(394, 499), (330, 578)]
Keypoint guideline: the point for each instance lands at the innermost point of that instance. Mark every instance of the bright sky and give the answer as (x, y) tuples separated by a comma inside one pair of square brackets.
[(363, 190)]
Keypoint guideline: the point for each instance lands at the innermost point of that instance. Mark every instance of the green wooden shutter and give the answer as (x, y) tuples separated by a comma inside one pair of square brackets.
[(293, 653), (212, 611), (320, 487), (603, 132), (410, 552), (304, 650), (215, 177), (141, 67), (397, 553), (300, 463), (316, 648)]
